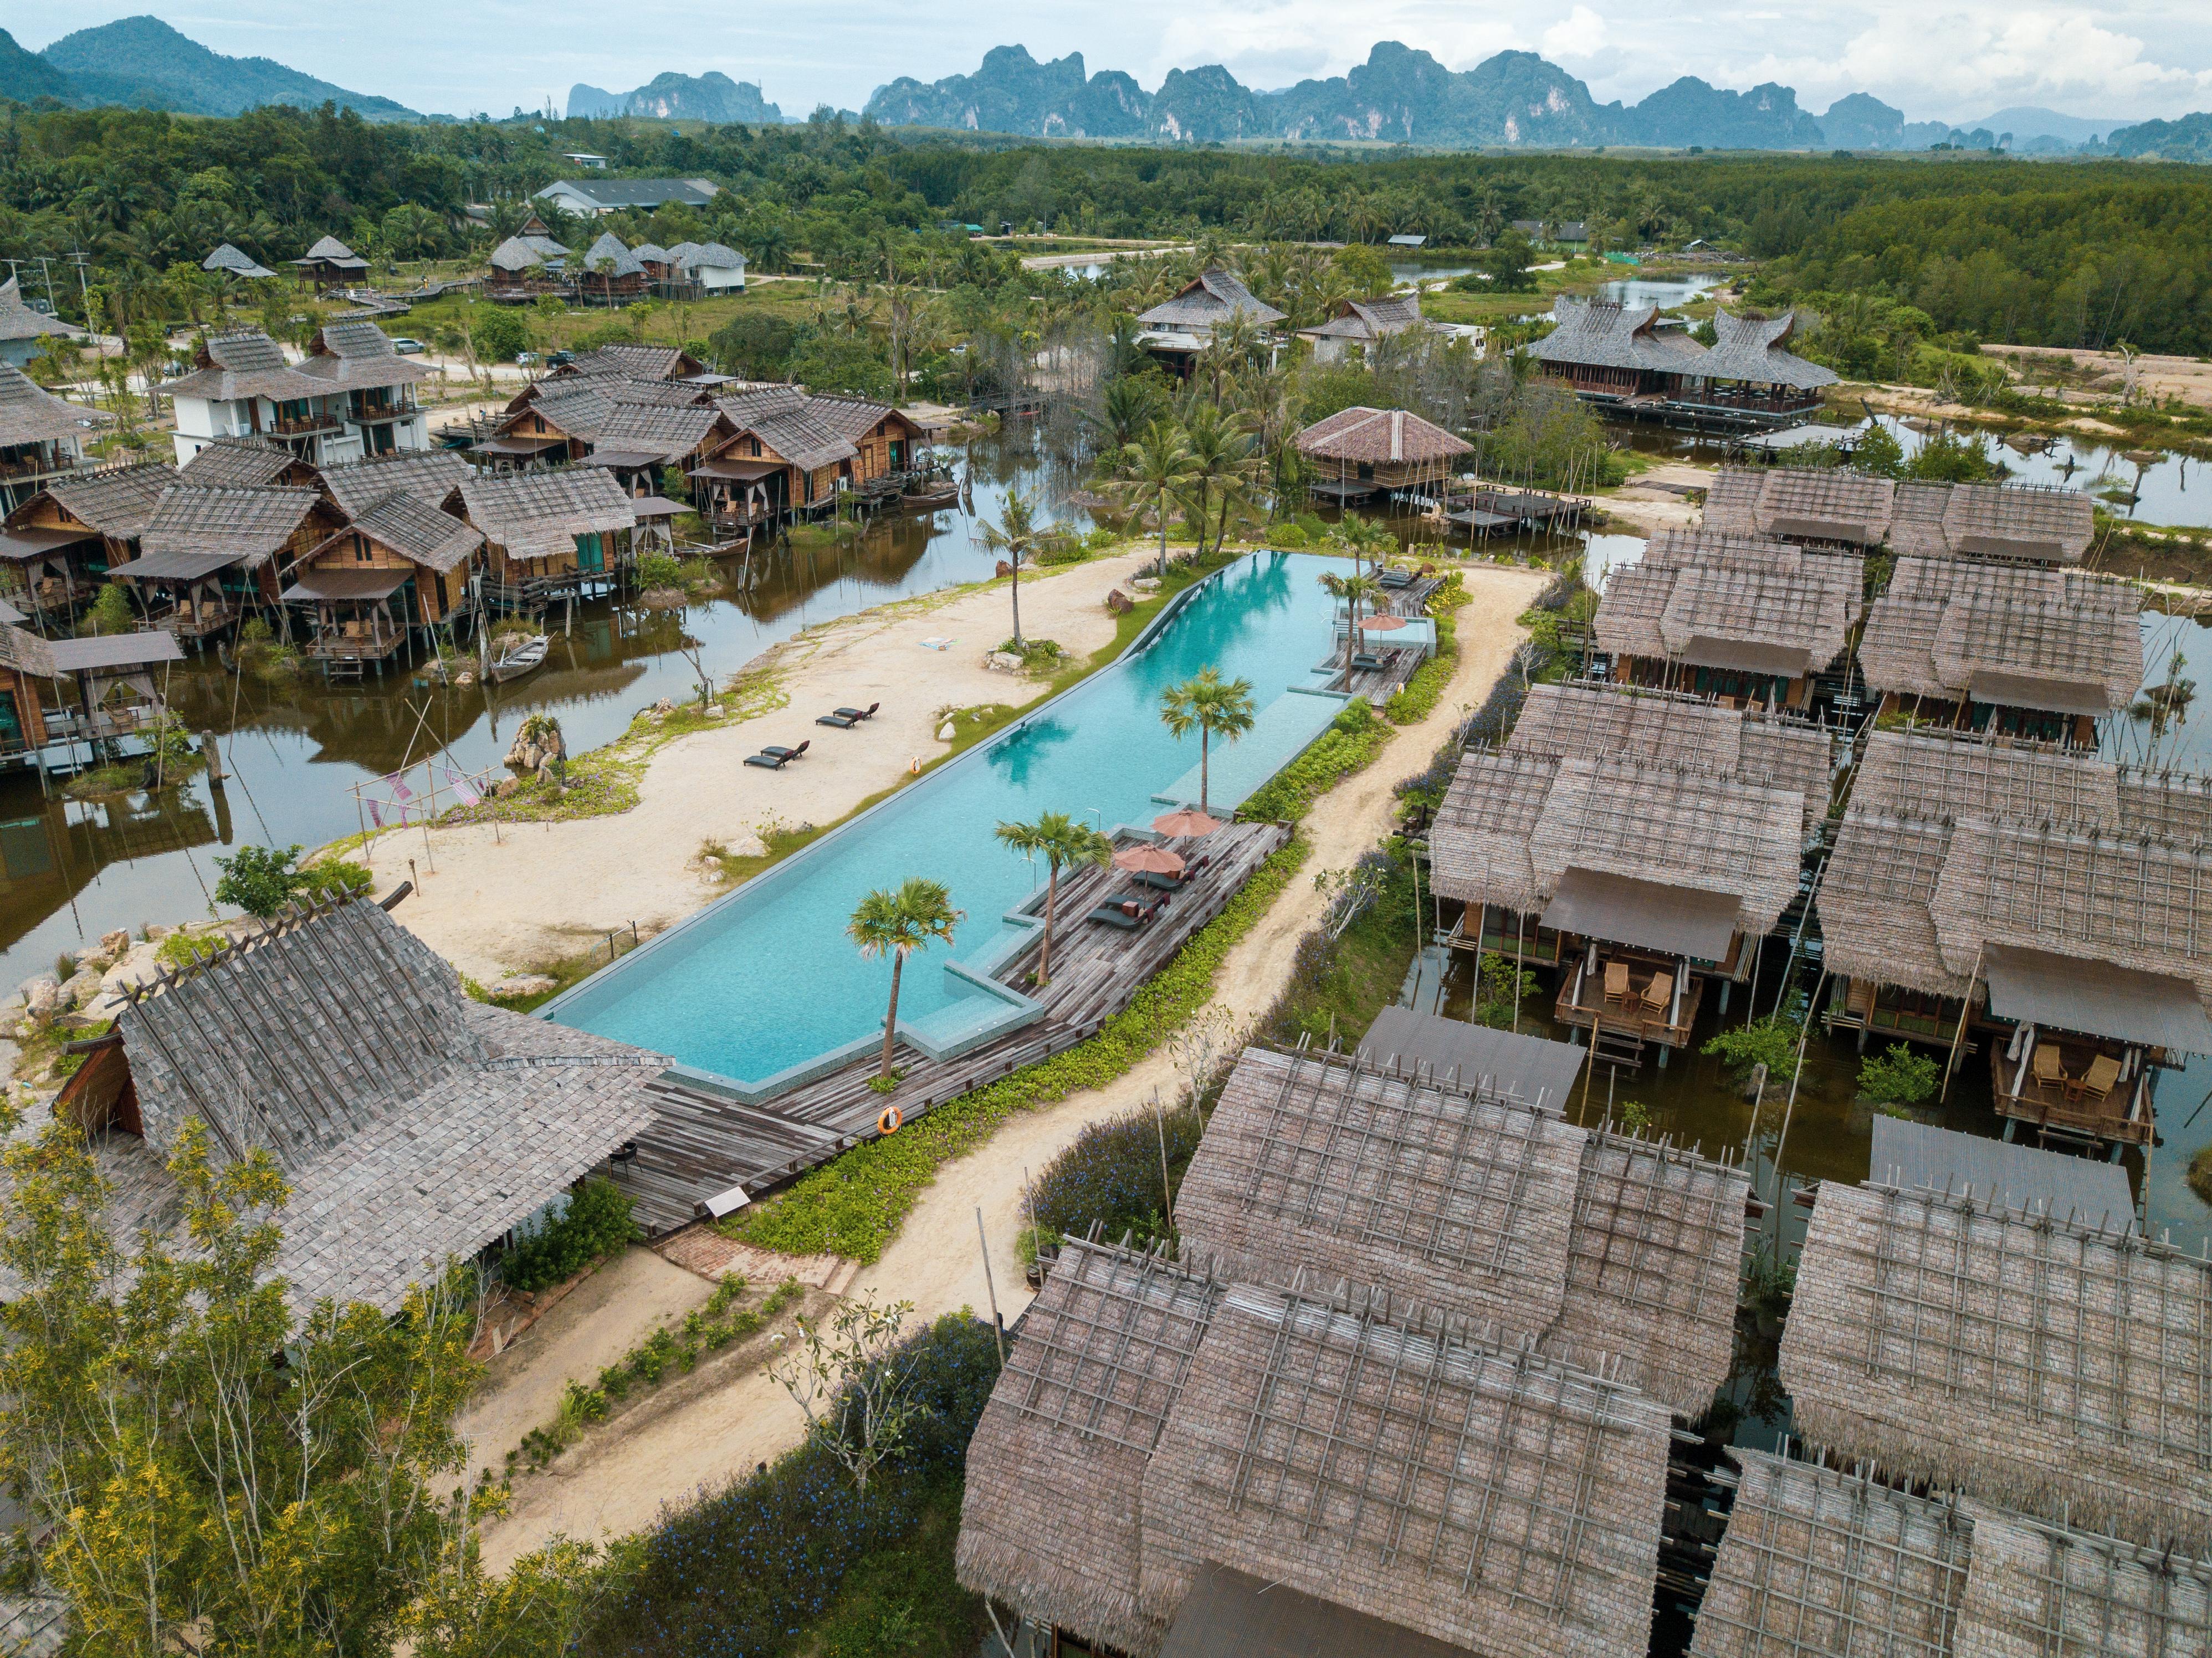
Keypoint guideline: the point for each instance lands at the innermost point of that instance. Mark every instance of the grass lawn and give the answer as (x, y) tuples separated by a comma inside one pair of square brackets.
[(656, 322)]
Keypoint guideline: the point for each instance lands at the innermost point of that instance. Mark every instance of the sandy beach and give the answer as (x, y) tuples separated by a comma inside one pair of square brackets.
[(700, 1436), (534, 893)]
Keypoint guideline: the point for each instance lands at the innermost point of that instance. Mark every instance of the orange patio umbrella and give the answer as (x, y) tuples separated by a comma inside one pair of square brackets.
[(1189, 821), (1148, 859), (1381, 624)]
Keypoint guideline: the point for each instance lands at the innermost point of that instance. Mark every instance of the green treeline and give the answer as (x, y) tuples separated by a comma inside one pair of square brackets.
[(2077, 254)]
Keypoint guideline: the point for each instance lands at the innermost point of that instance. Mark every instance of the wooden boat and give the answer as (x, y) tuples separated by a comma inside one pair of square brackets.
[(517, 660), (941, 494)]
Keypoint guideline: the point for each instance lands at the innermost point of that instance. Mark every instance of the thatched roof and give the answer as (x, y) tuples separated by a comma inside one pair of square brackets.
[(1478, 845), (609, 257), (240, 464), (1605, 334), (750, 405), (636, 362), (1936, 771), (118, 502), (1407, 1469), (246, 363), (249, 525), (1801, 503), (1584, 719), (1731, 602), (1380, 437), (19, 322), (1455, 1198), (1749, 349), (31, 414), (2032, 1359), (237, 263), (2174, 806), (430, 476), (1100, 1363), (540, 515), (2060, 640), (1654, 1252), (331, 250), (412, 1124), (419, 533), (2035, 523), (2034, 1587), (1369, 320), (520, 253), (358, 355), (1816, 1563), (1212, 299), (26, 652)]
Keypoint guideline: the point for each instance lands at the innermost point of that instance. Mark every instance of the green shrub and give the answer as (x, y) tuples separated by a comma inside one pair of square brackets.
[(1903, 1076), (1771, 1041), (110, 613), (1112, 1175), (260, 880), (596, 1223), (336, 878), (659, 570), (1353, 739)]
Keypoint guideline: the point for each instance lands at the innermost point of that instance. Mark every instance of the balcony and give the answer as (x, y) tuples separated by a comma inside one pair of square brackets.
[(2072, 1088), (305, 425), (362, 409), (1633, 996)]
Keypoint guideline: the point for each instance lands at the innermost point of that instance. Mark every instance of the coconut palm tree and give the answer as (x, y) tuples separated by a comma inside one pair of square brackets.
[(1149, 471), (1367, 540), (897, 924), (1221, 450), (1355, 590), (1014, 534), (1212, 705), (1063, 843)]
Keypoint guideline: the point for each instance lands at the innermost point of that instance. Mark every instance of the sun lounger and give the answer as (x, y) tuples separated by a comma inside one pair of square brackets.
[(1659, 992), (783, 753), (1616, 981), (845, 718), (773, 759), (1364, 659), (1164, 882), (2104, 1071), (1126, 913)]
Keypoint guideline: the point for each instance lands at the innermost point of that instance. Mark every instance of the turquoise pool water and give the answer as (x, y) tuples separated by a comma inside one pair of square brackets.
[(765, 985)]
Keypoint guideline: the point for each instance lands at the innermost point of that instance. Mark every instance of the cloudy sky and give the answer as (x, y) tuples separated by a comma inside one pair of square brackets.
[(1955, 60)]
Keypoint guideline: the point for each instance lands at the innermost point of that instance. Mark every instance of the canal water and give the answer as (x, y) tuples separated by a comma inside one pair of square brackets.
[(294, 748)]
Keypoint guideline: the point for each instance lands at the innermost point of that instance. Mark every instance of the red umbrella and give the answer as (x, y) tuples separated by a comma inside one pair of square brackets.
[(1189, 821), (1148, 859), (1381, 624)]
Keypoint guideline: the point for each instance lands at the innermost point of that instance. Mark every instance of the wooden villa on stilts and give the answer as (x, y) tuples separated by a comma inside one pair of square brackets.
[(398, 567), (211, 557), (1357, 453), (57, 546), (562, 534)]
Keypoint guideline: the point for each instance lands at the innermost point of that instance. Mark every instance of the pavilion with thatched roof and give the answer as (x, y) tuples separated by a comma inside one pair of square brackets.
[(2028, 522), (1808, 505), (1361, 450), (1738, 618), (2047, 1362), (2024, 650)]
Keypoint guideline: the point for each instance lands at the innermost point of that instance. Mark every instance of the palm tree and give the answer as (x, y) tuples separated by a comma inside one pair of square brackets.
[(1064, 842), (1366, 539), (1013, 534), (1210, 704), (899, 923), (1152, 469), (1221, 467), (1354, 591)]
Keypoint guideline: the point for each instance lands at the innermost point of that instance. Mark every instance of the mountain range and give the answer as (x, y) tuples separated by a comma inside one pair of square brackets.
[(709, 97), (143, 63)]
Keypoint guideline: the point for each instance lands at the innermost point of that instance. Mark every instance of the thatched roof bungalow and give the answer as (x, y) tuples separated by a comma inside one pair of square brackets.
[(432, 477), (1405, 1467), (2029, 523), (331, 264), (560, 526), (1356, 325), (56, 544), (247, 463), (1613, 353), (1734, 617), (412, 1123), (1389, 448), (42, 435), (2031, 1359), (214, 554), (1809, 505), (2034, 1587), (2024, 650), (1101, 1362), (1747, 366), (793, 452)]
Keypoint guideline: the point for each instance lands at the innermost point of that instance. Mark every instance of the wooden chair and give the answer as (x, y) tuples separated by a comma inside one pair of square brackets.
[(2104, 1071), (1616, 981), (2050, 1066), (1658, 993)]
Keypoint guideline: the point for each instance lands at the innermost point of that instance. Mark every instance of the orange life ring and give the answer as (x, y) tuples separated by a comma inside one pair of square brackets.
[(890, 1119)]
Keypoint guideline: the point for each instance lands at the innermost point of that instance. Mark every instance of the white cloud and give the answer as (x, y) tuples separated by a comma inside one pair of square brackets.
[(1580, 33)]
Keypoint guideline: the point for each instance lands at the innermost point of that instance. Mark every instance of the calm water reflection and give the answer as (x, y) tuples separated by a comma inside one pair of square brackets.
[(294, 748)]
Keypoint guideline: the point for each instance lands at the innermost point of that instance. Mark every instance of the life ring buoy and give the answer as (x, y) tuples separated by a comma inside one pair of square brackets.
[(888, 1121)]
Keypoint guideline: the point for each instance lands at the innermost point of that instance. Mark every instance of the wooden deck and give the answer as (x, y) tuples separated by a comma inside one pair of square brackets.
[(1377, 685), (1583, 1001), (703, 1143), (2066, 1110)]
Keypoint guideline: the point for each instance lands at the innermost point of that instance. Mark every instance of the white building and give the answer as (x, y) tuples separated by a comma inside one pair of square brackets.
[(716, 268), (354, 396), (594, 198)]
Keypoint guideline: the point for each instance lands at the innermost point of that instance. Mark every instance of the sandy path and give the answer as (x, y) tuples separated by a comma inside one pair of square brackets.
[(935, 1261), (535, 892)]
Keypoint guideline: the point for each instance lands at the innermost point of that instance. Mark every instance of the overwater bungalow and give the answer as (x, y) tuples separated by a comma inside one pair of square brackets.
[(1356, 325), (2055, 1363), (2032, 524), (1614, 1253), (41, 436), (550, 535), (399, 565), (1747, 378), (1640, 842), (1811, 506), (210, 556), (1743, 620), (2038, 899), (2024, 650), (793, 453), (1814, 1558), (413, 1124), (331, 264), (60, 545), (1159, 1392), (1358, 453), (1176, 330), (1635, 361)]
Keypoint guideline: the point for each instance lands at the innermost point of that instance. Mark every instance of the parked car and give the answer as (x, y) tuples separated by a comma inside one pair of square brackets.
[(560, 359), (406, 346), (526, 358)]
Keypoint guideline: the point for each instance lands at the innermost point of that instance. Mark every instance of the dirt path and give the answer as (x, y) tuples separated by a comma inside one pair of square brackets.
[(534, 893)]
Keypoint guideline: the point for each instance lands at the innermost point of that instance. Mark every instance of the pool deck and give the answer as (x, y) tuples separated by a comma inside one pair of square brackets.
[(702, 1143)]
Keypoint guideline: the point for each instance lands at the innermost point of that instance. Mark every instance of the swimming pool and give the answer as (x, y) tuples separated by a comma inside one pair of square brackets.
[(763, 991)]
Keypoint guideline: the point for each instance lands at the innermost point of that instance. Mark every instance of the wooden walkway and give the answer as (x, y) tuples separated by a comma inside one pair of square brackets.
[(702, 1142)]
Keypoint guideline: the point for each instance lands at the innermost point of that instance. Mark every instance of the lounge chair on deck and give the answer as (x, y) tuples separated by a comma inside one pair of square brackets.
[(2104, 1071), (1162, 883), (845, 718), (776, 757), (2050, 1066), (1658, 993), (1126, 913), (1616, 981), (1367, 661), (782, 752)]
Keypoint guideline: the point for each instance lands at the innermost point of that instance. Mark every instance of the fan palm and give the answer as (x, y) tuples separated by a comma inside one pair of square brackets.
[(1014, 534), (1212, 705), (1063, 843), (896, 924)]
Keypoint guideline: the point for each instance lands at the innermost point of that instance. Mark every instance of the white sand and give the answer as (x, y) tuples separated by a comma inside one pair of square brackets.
[(535, 893)]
